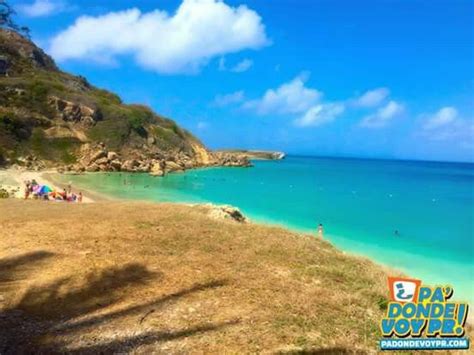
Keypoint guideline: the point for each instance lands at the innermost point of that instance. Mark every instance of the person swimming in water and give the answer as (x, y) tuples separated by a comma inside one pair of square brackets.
[(396, 232)]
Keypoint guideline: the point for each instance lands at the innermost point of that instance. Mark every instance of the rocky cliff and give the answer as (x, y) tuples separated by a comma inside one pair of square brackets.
[(49, 118)]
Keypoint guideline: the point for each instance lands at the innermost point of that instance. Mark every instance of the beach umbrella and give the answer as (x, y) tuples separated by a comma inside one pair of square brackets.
[(45, 189)]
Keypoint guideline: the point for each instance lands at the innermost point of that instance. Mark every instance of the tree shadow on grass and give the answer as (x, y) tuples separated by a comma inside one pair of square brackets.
[(66, 307), (148, 338), (11, 268), (144, 309), (97, 291)]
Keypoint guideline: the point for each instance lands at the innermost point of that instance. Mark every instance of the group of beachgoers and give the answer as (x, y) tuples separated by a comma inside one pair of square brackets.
[(44, 192)]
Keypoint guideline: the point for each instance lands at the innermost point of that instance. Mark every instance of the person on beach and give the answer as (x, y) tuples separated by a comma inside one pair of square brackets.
[(64, 195), (79, 197), (27, 189), (320, 230)]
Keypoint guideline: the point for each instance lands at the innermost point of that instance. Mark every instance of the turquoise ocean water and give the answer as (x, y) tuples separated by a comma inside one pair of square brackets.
[(360, 203)]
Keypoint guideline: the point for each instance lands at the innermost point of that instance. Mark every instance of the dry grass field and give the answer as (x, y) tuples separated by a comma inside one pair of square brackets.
[(165, 278)]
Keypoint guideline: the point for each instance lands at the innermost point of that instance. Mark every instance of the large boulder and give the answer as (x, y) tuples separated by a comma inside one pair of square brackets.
[(157, 173), (157, 169), (98, 155), (143, 166), (116, 165), (129, 165), (73, 112), (171, 166), (112, 155), (93, 167), (227, 212), (102, 161), (234, 213)]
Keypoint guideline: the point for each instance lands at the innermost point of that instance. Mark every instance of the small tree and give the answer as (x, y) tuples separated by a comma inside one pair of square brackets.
[(6, 19)]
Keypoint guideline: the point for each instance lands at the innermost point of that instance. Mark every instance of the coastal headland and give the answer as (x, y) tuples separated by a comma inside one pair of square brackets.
[(253, 154), (120, 276)]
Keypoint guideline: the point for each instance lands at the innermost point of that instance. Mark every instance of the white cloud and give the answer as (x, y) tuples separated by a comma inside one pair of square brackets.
[(443, 117), (290, 98), (383, 116), (179, 43), (372, 98), (41, 8), (242, 66), (294, 98), (445, 125), (320, 114), (228, 99)]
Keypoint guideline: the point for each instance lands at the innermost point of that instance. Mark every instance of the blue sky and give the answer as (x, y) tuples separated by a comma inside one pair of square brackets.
[(383, 79)]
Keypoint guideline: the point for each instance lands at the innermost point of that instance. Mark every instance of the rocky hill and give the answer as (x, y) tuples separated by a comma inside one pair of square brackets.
[(49, 118)]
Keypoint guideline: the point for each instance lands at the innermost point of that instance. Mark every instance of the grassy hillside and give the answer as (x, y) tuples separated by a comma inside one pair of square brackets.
[(168, 278), (51, 114)]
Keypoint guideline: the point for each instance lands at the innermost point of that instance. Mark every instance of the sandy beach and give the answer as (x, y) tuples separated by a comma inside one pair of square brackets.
[(13, 180)]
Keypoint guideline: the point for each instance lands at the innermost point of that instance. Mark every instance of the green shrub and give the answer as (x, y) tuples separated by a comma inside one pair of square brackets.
[(34, 98), (54, 149), (113, 132), (104, 97), (38, 91), (4, 193), (15, 127), (382, 302), (139, 116)]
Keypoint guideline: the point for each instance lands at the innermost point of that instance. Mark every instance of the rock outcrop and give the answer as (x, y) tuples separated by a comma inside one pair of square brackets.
[(231, 160), (97, 157), (254, 154), (226, 212), (72, 112), (157, 168), (31, 162)]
